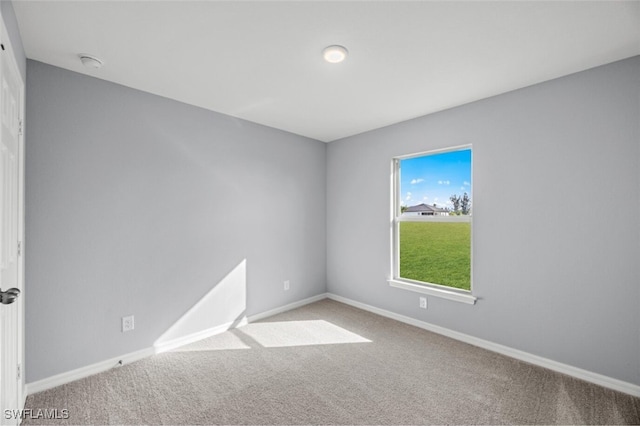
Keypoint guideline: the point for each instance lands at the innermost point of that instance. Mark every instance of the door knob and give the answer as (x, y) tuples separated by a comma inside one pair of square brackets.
[(9, 296)]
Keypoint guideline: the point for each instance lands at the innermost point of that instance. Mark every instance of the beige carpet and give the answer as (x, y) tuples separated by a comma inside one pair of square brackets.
[(329, 363)]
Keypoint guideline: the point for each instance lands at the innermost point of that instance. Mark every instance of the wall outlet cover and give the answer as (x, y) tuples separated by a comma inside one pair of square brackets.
[(127, 323)]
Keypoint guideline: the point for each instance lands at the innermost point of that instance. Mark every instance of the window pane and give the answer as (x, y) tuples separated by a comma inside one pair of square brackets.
[(428, 183), (434, 195), (436, 252)]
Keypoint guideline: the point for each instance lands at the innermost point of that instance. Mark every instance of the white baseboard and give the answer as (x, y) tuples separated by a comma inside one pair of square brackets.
[(290, 306), (559, 367), (79, 373), (99, 367), (82, 372), (199, 335)]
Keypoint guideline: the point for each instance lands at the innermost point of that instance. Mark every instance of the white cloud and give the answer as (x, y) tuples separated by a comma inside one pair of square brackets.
[(435, 199), (444, 182), (465, 183), (415, 181), (425, 198), (462, 188)]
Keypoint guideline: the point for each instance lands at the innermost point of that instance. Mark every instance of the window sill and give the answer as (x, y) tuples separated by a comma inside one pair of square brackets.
[(433, 291)]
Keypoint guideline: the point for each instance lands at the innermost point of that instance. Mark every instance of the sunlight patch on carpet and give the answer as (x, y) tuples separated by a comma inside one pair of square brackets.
[(300, 333), (219, 342)]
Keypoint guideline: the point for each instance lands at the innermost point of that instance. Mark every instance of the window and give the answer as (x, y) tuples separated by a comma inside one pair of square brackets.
[(432, 212)]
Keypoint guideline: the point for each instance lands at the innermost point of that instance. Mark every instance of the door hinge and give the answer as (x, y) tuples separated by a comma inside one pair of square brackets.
[(19, 248), (19, 371), (20, 127)]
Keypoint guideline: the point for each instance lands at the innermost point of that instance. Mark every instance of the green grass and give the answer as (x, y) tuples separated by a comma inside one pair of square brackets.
[(436, 252)]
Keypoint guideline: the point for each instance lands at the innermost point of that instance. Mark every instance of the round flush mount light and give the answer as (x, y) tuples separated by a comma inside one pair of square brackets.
[(91, 61), (335, 54)]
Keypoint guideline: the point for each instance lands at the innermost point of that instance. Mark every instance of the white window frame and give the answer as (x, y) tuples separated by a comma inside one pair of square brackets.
[(432, 289)]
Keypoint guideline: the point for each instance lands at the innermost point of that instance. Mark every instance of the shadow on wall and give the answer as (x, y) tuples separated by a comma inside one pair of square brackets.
[(222, 308)]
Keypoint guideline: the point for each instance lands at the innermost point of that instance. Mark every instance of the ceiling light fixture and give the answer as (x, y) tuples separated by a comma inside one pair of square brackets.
[(90, 61), (334, 54)]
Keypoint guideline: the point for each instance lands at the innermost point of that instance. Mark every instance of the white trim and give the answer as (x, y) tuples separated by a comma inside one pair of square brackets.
[(395, 213), (99, 367), (397, 217), (290, 306), (433, 291), (579, 373), (435, 151), (198, 335), (89, 370)]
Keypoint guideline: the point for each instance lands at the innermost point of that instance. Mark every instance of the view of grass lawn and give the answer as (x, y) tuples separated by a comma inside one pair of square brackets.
[(436, 252)]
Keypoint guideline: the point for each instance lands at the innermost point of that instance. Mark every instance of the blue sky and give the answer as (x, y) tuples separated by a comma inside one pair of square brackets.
[(435, 177)]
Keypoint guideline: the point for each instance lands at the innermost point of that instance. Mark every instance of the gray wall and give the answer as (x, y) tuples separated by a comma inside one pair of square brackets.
[(188, 219), (10, 21), (556, 229), (141, 205)]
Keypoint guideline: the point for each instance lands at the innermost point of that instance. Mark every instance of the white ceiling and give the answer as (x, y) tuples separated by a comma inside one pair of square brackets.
[(262, 61)]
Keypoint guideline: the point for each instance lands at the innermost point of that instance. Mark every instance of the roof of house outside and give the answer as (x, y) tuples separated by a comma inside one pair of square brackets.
[(424, 208)]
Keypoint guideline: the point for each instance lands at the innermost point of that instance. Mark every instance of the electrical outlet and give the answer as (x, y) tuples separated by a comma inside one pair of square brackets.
[(127, 323), (423, 302), (286, 285)]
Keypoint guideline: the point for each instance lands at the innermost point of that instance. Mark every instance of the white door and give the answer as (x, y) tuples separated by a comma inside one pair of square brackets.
[(11, 324)]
